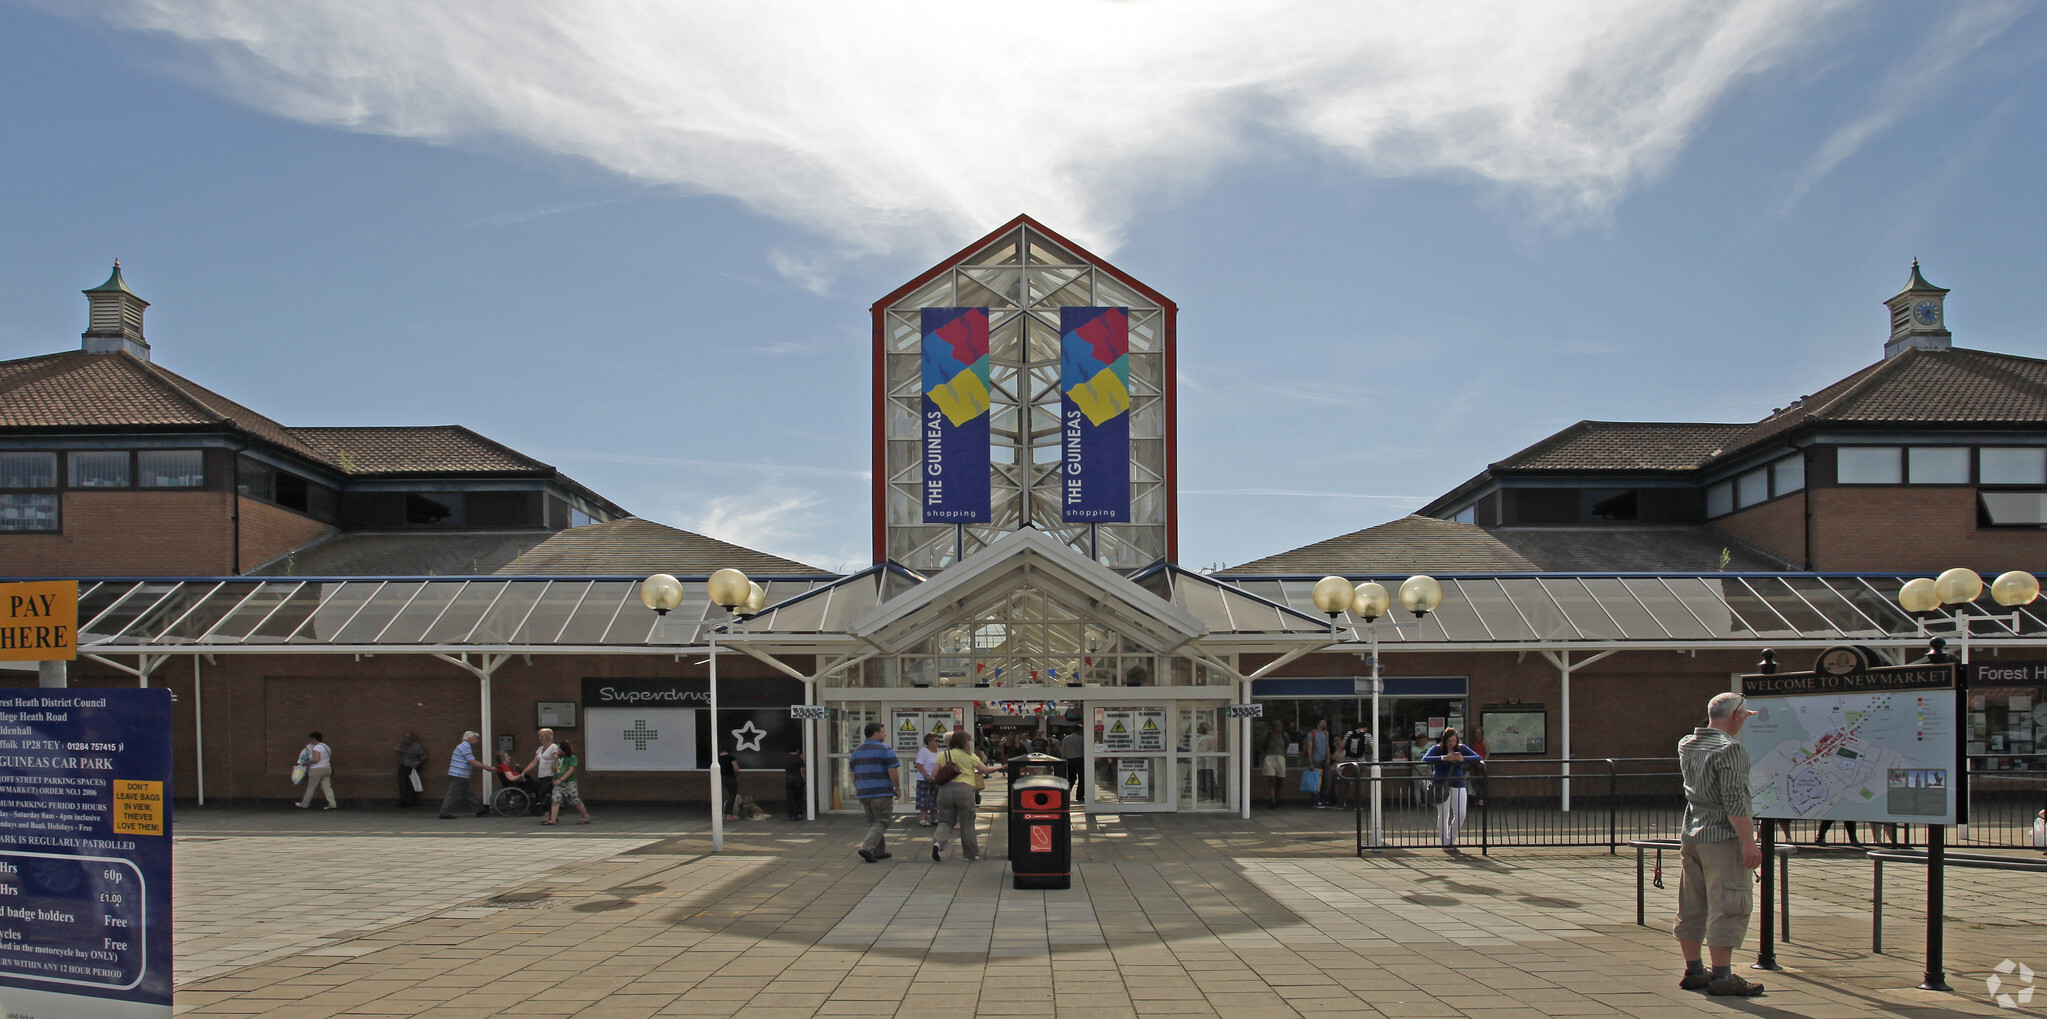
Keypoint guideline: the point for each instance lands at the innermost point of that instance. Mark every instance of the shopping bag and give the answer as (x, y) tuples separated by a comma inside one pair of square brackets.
[(298, 773), (1311, 780), (2040, 833), (417, 785)]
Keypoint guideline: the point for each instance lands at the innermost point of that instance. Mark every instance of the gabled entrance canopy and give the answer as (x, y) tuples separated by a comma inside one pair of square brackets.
[(1027, 557)]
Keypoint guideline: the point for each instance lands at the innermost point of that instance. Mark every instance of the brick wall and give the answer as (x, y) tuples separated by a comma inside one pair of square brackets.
[(1776, 527), (1905, 527), (271, 531), (137, 532)]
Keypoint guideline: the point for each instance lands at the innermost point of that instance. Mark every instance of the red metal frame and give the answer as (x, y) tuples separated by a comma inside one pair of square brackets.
[(1169, 346)]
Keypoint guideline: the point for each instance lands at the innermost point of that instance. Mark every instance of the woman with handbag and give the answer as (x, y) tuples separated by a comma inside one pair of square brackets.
[(959, 780), (1449, 757)]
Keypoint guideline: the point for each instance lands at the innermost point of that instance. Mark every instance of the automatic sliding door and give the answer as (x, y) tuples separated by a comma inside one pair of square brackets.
[(1131, 765)]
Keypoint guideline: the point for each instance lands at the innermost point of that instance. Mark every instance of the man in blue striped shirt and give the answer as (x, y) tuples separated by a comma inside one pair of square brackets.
[(875, 782)]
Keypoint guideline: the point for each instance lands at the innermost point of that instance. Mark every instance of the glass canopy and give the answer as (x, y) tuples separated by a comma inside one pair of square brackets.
[(604, 613)]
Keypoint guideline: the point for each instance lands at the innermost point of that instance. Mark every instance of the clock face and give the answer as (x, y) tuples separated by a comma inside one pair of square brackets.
[(1927, 312)]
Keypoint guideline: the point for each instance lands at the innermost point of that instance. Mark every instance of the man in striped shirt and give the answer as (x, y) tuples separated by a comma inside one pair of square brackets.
[(875, 783), (1713, 899)]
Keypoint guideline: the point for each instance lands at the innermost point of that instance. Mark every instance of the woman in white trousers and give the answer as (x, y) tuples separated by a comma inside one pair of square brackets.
[(1449, 757)]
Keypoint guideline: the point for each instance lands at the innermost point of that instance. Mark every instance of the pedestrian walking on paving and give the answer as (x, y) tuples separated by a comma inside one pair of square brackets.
[(1356, 747), (542, 766), (878, 785), (1719, 849), (567, 790), (795, 781), (1275, 759), (462, 764), (1450, 757), (1316, 746), (927, 790), (411, 754), (319, 762), (956, 798)]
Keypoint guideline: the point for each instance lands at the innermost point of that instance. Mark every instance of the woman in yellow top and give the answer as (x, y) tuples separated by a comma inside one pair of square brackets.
[(956, 798)]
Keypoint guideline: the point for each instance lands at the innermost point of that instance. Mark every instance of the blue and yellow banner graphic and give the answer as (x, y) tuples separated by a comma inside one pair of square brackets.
[(1094, 374), (955, 431)]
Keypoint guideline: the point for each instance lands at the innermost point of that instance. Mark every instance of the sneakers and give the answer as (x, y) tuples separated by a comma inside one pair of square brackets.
[(869, 857), (937, 856), (1695, 981), (1733, 986)]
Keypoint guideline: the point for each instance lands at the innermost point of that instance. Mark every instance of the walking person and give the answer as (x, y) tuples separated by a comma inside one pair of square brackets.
[(1719, 849), (319, 761), (1316, 746), (462, 764), (566, 790), (728, 773), (1356, 747), (878, 784), (956, 798), (927, 789), (1449, 757), (1275, 760), (1073, 748), (795, 781), (542, 766), (411, 754)]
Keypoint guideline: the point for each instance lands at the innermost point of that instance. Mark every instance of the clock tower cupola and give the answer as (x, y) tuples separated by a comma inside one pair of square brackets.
[(1918, 317)]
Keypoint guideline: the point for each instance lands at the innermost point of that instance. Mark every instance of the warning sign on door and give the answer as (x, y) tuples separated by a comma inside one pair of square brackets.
[(1151, 730), (1133, 781), (1119, 732)]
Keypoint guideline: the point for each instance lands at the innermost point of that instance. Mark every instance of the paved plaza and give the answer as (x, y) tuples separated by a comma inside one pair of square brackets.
[(380, 912)]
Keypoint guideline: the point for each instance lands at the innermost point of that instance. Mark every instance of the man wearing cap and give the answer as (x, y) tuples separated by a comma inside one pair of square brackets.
[(462, 764), (1719, 849)]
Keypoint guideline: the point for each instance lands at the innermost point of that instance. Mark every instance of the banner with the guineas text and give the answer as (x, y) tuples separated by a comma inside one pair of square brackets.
[(955, 462), (1094, 376)]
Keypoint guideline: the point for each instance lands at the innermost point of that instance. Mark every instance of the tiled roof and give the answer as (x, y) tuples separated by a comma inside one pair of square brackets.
[(75, 389), (427, 449), (635, 547), (1624, 446), (1418, 544), (1921, 387), (436, 554)]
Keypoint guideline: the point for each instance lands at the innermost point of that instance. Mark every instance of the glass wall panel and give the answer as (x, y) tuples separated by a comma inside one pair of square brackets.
[(1720, 499), (1938, 465), (28, 470), (98, 469), (170, 468), (1751, 488), (2001, 465), (1869, 465), (1787, 475)]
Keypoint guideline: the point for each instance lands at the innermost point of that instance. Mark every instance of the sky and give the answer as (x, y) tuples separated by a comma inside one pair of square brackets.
[(639, 240)]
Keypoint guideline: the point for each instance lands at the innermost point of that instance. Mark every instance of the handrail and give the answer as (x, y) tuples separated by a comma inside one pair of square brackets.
[(1975, 861)]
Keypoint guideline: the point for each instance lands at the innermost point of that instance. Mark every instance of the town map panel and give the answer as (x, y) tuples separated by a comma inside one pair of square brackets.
[(1847, 749)]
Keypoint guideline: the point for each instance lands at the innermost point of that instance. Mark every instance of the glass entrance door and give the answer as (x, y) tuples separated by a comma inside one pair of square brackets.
[(908, 724), (1130, 766)]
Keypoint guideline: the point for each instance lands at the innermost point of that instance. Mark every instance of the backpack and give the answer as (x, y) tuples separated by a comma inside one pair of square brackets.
[(1357, 744)]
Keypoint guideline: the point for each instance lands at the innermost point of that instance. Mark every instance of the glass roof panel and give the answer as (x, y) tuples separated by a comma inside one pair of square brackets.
[(502, 621), (266, 599), (1204, 602), (1543, 614), (209, 612), (1636, 621), (1457, 618), (605, 600), (377, 613), (334, 612), (1489, 600), (1754, 609), (292, 613), (1670, 610), (551, 612), (98, 598), (1876, 597), (1839, 613), (1804, 619), (412, 621), (460, 618), (1583, 610), (138, 601)]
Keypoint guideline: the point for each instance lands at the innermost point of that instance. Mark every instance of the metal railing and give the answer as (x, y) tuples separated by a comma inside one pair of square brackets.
[(1614, 801)]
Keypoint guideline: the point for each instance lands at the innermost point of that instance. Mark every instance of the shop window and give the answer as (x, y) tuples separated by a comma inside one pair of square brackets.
[(1751, 488), (2003, 466), (1787, 475), (2004, 727), (170, 468), (2013, 509), (99, 469), (1720, 499), (1939, 465), (1869, 465), (28, 470)]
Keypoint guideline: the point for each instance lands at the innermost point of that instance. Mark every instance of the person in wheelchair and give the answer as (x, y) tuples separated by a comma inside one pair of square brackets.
[(520, 794)]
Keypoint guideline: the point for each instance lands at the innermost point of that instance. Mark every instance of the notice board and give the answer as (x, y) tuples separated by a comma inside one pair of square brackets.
[(85, 853)]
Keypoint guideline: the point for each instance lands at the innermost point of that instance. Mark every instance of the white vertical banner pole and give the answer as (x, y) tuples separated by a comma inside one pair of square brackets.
[(489, 741), (1564, 664), (199, 727), (1245, 750), (717, 774)]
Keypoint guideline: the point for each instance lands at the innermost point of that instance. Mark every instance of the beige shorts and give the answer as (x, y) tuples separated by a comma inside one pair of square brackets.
[(1715, 895), (1275, 765)]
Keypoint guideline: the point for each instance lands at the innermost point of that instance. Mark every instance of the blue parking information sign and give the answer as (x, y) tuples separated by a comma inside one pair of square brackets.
[(85, 853)]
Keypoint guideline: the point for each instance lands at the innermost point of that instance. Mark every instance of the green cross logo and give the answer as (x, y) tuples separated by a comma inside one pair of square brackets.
[(640, 734)]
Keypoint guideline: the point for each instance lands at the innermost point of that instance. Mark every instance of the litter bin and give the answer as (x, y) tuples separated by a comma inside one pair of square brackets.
[(1040, 832)]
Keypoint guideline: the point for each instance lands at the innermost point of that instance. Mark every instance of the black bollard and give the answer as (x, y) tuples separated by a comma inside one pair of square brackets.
[(1936, 907)]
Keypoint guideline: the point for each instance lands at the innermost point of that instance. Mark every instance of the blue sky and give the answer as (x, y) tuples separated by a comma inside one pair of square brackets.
[(639, 241)]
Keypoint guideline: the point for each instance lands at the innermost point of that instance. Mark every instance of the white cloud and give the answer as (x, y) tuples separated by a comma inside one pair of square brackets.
[(914, 124), (773, 518)]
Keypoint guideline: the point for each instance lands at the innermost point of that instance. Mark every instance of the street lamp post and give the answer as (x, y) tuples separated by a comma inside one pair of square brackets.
[(1367, 602), (729, 589), (1958, 588)]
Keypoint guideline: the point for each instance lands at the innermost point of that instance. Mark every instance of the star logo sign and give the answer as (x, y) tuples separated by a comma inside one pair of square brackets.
[(748, 737), (2024, 995)]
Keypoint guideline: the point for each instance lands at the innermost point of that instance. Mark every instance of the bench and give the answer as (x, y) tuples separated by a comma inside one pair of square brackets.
[(1642, 846), (1917, 857)]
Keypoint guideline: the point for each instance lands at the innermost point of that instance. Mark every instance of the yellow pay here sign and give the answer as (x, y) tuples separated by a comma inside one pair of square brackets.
[(39, 621)]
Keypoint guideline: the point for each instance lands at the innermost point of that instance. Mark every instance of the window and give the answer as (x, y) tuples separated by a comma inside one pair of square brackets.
[(27, 511), (257, 480), (1467, 515), (170, 468), (2002, 466), (578, 518), (1752, 487), (1607, 504), (437, 508), (1720, 499), (28, 470), (1939, 465), (99, 470), (1869, 465), (2014, 509), (1787, 475)]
